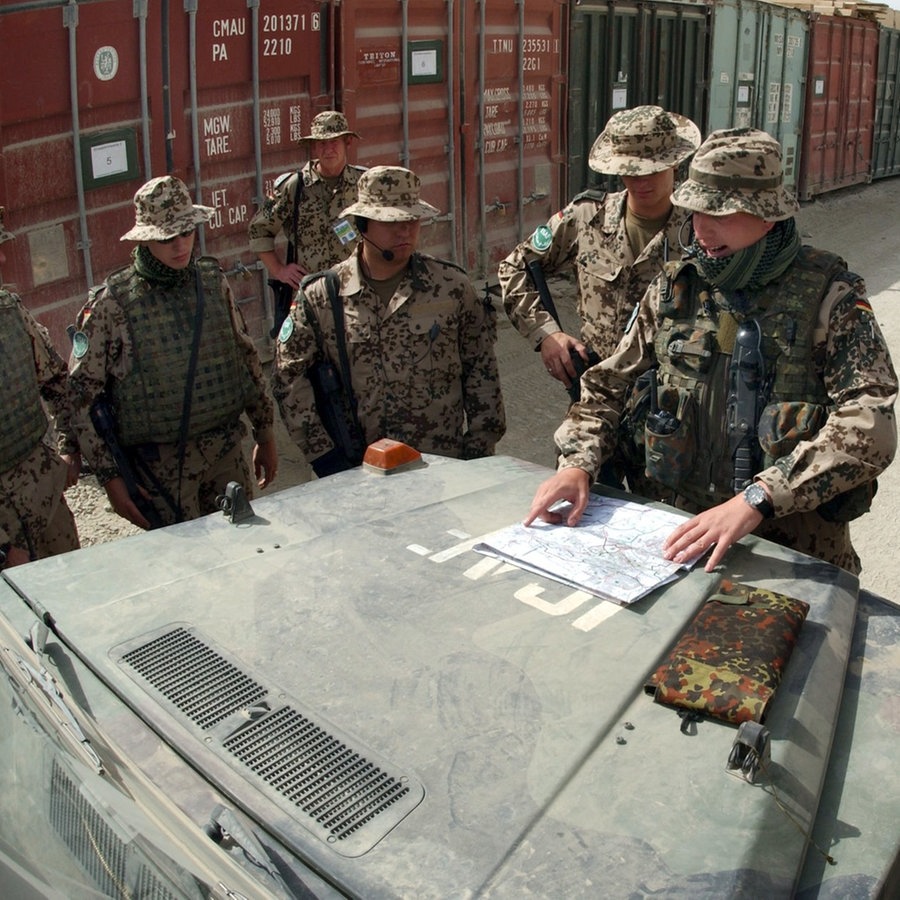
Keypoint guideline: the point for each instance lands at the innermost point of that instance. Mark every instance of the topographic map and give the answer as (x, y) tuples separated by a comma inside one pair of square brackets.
[(614, 552)]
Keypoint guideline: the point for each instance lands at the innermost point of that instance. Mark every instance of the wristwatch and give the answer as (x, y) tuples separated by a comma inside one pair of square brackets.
[(755, 496)]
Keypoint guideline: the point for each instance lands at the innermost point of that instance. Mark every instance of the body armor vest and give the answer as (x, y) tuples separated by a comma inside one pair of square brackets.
[(694, 348), (161, 320), (24, 421)]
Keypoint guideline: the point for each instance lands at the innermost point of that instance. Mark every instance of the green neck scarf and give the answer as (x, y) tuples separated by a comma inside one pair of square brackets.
[(150, 268), (752, 268)]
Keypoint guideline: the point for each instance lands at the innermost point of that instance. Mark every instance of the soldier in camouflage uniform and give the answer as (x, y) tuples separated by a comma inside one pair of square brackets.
[(320, 236), (136, 340), (615, 242), (420, 342), (36, 467), (770, 362)]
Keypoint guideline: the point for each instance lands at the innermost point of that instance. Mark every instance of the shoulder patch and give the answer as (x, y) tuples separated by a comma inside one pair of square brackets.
[(80, 344), (542, 238), (287, 329)]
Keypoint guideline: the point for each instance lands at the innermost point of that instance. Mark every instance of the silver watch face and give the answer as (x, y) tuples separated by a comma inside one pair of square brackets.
[(755, 496)]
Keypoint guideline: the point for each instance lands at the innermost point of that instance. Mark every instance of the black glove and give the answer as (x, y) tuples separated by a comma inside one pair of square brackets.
[(335, 460)]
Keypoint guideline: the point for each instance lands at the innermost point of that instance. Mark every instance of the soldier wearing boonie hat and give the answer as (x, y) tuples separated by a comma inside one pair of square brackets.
[(163, 209), (328, 125), (163, 344), (305, 206), (737, 170), (775, 385), (390, 194), (615, 243), (35, 520), (419, 342)]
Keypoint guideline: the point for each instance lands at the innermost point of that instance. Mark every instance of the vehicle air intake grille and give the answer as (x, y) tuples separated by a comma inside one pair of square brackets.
[(334, 784), (318, 776), (192, 676)]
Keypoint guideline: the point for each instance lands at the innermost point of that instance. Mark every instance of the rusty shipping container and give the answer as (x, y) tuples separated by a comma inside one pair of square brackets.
[(471, 96), (840, 104), (886, 144), (125, 90), (627, 54)]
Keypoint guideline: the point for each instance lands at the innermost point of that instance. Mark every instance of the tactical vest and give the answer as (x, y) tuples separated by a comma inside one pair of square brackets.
[(161, 321), (24, 421), (694, 347)]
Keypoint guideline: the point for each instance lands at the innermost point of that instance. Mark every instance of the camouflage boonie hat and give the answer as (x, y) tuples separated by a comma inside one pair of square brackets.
[(737, 170), (163, 209), (389, 194), (4, 234), (642, 141), (328, 125)]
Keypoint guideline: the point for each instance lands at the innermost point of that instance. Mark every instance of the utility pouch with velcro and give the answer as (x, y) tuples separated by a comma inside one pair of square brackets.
[(669, 455)]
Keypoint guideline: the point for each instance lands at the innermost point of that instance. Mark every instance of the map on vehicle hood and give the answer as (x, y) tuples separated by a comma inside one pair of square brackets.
[(614, 552)]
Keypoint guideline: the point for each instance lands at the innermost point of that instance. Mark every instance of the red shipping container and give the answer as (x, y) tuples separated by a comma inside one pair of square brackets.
[(840, 104)]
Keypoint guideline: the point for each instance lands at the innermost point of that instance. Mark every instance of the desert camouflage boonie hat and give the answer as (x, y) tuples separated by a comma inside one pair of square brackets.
[(737, 170), (642, 141), (328, 125), (389, 194), (163, 209), (4, 234)]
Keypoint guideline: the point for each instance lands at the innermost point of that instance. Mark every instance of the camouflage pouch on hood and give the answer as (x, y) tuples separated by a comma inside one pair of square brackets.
[(730, 660)]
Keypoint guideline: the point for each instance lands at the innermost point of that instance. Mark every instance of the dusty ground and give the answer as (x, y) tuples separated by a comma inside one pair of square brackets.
[(857, 222)]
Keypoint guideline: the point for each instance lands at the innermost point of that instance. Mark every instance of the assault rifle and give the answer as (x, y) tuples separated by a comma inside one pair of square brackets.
[(536, 271), (104, 422), (333, 390), (283, 293)]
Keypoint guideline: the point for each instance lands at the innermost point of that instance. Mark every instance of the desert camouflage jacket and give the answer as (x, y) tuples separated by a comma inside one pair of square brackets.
[(104, 352), (317, 247), (422, 367), (588, 235), (856, 442), (45, 372)]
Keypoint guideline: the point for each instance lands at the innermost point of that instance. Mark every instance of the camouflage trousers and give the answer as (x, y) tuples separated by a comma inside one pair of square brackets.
[(33, 511), (211, 460)]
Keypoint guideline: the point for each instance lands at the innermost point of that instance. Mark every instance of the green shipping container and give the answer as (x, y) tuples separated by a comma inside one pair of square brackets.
[(758, 57), (629, 54), (886, 147)]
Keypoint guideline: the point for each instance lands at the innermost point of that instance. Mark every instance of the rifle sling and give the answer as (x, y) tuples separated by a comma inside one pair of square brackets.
[(189, 387), (337, 310)]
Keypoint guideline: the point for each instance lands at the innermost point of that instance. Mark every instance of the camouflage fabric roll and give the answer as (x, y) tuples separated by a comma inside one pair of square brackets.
[(730, 660)]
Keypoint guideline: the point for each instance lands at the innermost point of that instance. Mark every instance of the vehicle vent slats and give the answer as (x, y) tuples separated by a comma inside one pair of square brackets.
[(203, 685), (318, 773), (337, 790)]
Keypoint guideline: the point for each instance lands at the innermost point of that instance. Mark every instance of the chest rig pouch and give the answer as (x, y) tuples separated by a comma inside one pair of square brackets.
[(745, 391)]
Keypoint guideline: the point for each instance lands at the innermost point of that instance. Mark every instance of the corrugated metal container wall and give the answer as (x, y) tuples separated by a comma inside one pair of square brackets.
[(840, 104), (757, 72), (886, 145), (629, 54), (472, 94), (99, 97)]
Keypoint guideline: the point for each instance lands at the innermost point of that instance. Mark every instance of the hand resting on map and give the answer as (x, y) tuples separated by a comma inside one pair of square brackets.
[(721, 525)]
